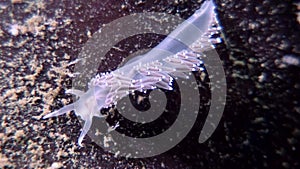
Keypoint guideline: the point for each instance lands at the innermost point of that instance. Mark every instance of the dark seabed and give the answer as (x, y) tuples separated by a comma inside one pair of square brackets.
[(260, 127)]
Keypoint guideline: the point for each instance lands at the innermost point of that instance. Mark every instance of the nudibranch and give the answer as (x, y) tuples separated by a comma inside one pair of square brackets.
[(155, 69)]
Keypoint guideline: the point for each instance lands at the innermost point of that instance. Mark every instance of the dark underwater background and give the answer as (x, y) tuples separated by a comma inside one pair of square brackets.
[(260, 127)]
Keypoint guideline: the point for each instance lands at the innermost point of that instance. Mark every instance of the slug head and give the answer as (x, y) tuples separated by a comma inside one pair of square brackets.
[(88, 105)]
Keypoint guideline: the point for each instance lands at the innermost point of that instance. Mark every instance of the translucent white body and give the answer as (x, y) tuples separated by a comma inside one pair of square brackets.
[(175, 56)]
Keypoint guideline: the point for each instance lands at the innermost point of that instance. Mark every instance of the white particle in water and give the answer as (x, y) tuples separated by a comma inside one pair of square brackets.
[(14, 30), (291, 60)]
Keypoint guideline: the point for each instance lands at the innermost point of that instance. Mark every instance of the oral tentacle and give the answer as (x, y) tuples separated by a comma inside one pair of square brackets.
[(85, 129), (61, 111), (75, 92)]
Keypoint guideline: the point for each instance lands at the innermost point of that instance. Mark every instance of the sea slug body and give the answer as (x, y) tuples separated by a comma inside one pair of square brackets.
[(155, 69)]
